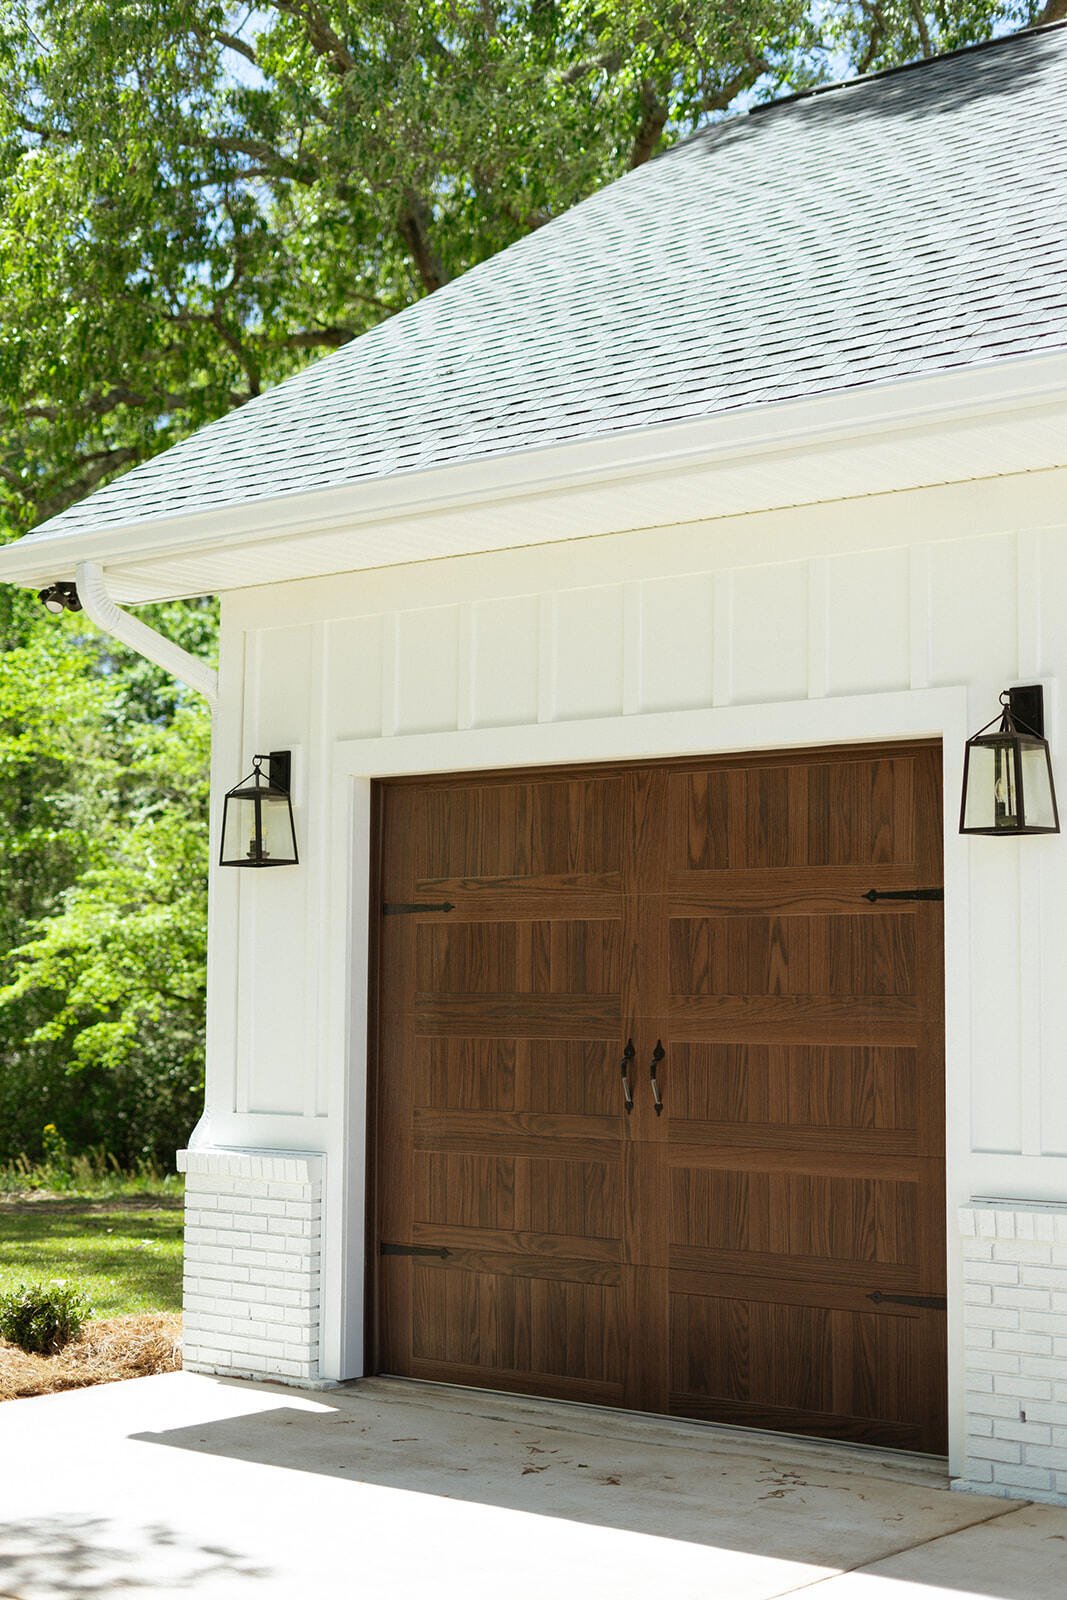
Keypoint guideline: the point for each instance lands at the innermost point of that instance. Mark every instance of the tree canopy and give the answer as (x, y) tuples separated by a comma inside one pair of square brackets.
[(195, 199)]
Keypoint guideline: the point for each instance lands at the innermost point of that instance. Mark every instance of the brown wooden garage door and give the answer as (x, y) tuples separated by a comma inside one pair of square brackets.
[(768, 1247)]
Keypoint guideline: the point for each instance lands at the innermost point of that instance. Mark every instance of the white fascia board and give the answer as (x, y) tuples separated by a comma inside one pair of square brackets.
[(993, 392)]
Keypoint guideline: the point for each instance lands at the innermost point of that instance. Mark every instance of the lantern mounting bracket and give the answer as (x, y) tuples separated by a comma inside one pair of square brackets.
[(280, 770), (1026, 703)]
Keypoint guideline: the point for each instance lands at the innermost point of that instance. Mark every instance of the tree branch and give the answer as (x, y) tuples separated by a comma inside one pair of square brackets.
[(232, 42), (271, 161), (652, 123), (321, 36), (41, 129), (874, 40), (314, 338), (215, 319), (413, 223), (609, 61), (720, 98), (103, 404), (916, 9), (1055, 11)]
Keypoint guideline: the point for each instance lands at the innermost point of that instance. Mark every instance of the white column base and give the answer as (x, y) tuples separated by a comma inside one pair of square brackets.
[(253, 1224), (1015, 1332)]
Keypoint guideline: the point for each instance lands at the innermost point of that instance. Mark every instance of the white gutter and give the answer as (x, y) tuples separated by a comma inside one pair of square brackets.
[(99, 607)]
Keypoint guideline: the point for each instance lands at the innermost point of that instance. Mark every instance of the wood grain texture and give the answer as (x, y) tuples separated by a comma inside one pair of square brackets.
[(717, 1260)]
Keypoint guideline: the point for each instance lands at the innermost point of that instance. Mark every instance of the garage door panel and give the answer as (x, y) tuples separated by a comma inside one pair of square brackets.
[(850, 955), (540, 1077), (470, 1191), (565, 956), (517, 1324), (572, 1197), (519, 831), (789, 1093), (845, 1219), (465, 1074), (465, 958), (579, 1197), (573, 1076), (802, 1365), (820, 813)]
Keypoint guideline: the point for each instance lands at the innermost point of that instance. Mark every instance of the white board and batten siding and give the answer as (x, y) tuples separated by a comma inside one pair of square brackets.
[(897, 615)]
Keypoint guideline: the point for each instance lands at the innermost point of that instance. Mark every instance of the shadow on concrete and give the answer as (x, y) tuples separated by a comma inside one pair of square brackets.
[(49, 1557), (750, 1504)]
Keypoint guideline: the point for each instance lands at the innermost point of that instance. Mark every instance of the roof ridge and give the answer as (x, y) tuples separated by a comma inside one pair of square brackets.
[(904, 66)]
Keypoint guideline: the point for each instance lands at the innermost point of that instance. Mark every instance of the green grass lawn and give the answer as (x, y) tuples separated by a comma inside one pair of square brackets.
[(123, 1260)]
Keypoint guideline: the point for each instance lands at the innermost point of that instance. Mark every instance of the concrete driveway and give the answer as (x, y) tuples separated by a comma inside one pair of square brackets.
[(214, 1489)]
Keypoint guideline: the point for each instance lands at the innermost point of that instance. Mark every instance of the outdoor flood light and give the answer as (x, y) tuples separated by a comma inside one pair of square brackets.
[(59, 597), (257, 817), (1007, 774)]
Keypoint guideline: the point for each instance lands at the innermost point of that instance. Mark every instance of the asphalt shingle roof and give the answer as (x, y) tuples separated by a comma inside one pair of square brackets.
[(896, 227)]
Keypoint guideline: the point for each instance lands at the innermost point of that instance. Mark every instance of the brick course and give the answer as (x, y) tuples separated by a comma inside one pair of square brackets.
[(253, 1224), (1015, 1334)]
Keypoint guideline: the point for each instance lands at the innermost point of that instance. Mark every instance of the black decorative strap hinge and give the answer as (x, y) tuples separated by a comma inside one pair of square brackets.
[(414, 1250), (904, 894), (408, 908), (925, 1302)]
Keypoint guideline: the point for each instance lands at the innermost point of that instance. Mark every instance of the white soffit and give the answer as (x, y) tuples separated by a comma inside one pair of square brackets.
[(1005, 417)]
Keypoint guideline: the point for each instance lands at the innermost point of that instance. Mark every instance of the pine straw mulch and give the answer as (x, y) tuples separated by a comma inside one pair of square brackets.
[(118, 1347)]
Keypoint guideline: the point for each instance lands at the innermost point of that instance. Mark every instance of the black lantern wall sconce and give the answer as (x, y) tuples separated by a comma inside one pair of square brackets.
[(257, 816), (1007, 772)]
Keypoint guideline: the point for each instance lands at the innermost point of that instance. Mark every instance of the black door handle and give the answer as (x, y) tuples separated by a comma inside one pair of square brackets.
[(657, 1056), (627, 1087)]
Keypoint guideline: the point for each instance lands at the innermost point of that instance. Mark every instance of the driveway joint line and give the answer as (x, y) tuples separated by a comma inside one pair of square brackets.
[(867, 1566)]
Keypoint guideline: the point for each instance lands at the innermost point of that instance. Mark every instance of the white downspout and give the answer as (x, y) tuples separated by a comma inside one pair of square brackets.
[(100, 608)]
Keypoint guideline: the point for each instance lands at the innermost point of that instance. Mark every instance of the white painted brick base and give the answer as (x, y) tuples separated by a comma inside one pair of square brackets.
[(1015, 1331), (253, 1221)]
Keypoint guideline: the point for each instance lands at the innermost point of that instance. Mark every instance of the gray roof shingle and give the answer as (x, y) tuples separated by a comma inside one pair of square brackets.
[(902, 225)]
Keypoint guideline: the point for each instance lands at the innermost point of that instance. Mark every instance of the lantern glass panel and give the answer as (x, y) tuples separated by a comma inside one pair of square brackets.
[(990, 780), (1037, 787)]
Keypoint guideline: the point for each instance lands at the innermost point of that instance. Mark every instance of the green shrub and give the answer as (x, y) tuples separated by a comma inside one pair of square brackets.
[(42, 1317)]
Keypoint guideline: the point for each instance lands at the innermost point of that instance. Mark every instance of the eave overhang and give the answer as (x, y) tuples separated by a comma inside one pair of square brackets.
[(1003, 417)]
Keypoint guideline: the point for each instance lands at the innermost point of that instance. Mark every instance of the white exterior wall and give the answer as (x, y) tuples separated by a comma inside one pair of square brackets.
[(898, 615)]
